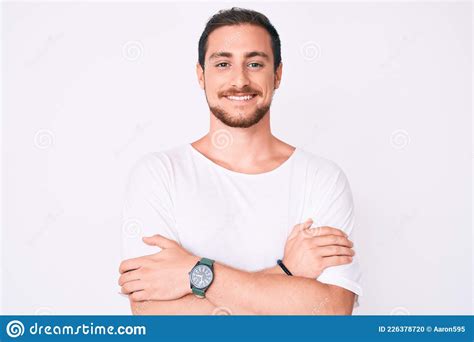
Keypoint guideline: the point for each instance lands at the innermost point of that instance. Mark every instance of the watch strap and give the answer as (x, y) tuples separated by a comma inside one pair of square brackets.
[(207, 262), (199, 292)]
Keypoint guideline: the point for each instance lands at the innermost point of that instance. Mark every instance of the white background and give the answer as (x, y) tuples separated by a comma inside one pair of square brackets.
[(384, 90)]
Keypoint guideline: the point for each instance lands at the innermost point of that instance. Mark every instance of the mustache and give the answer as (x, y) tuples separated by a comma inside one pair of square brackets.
[(235, 92)]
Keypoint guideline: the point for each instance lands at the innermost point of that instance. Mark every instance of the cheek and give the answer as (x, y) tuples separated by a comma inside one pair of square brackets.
[(268, 93)]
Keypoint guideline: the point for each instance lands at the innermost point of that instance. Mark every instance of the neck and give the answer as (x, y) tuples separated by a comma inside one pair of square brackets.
[(243, 148)]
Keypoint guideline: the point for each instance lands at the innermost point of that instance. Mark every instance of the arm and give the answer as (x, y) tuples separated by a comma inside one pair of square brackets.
[(160, 281), (307, 253), (266, 293), (187, 305), (303, 296)]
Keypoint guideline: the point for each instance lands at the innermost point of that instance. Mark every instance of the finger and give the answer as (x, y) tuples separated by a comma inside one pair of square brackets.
[(299, 227), (325, 230), (327, 240), (159, 241), (327, 251), (131, 264), (139, 296), (133, 286), (128, 276), (336, 261)]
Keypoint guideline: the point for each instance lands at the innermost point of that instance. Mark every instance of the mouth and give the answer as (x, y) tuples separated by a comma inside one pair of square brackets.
[(241, 98)]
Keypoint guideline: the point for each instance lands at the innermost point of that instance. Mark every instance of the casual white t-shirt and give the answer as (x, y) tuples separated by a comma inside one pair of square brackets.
[(241, 220)]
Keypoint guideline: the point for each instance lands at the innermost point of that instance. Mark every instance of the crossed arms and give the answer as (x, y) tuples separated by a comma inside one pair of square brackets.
[(159, 284)]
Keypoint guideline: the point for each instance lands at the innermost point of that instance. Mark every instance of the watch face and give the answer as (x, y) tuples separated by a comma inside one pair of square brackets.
[(201, 276)]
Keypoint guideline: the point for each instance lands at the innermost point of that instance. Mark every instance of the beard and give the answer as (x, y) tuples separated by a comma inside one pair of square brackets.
[(239, 120)]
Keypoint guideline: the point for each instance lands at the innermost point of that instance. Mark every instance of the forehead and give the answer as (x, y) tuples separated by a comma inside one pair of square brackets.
[(239, 39)]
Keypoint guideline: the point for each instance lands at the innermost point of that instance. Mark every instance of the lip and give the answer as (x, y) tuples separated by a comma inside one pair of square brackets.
[(234, 100)]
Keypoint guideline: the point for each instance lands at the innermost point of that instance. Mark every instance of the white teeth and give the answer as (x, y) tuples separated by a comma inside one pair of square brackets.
[(240, 98)]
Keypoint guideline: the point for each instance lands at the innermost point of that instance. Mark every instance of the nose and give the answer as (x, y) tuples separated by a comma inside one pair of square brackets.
[(240, 78)]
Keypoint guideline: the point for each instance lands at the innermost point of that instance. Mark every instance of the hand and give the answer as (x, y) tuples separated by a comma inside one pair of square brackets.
[(308, 251), (160, 276)]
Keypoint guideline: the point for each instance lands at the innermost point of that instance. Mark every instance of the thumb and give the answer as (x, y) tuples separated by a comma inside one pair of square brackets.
[(159, 241), (300, 227)]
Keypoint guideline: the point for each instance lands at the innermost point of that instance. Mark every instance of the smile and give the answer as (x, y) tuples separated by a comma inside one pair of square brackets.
[(240, 98)]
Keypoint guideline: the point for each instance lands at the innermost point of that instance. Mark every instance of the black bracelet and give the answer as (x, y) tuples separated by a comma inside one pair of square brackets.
[(283, 267)]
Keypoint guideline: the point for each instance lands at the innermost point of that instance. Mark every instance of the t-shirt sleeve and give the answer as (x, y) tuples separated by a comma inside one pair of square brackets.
[(333, 206), (148, 206)]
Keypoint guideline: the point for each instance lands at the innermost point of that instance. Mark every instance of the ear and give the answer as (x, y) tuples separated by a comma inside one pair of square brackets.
[(278, 73), (200, 75)]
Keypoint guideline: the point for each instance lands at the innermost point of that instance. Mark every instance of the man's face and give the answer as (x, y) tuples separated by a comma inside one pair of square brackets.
[(239, 77)]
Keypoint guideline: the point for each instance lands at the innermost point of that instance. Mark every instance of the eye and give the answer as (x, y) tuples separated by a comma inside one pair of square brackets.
[(222, 65), (255, 65)]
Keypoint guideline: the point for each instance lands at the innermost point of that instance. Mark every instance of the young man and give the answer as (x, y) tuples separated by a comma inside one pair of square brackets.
[(217, 214)]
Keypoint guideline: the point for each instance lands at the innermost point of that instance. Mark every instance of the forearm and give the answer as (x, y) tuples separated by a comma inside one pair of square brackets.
[(271, 292), (187, 305)]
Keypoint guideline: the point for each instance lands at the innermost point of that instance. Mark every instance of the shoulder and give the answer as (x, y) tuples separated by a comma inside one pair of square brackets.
[(157, 166), (161, 160), (319, 167)]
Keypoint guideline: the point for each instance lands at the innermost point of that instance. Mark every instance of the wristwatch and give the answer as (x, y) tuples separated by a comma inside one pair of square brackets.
[(201, 277)]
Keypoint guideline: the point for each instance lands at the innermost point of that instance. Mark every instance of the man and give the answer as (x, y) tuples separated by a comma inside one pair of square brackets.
[(217, 214)]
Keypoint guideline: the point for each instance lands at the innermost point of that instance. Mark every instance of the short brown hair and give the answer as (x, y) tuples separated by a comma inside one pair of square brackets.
[(237, 16)]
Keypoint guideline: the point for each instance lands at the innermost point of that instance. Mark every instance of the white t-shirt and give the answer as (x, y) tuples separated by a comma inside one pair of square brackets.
[(241, 220)]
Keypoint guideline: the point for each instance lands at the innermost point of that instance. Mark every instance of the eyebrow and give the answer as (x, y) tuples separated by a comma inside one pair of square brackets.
[(247, 55)]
